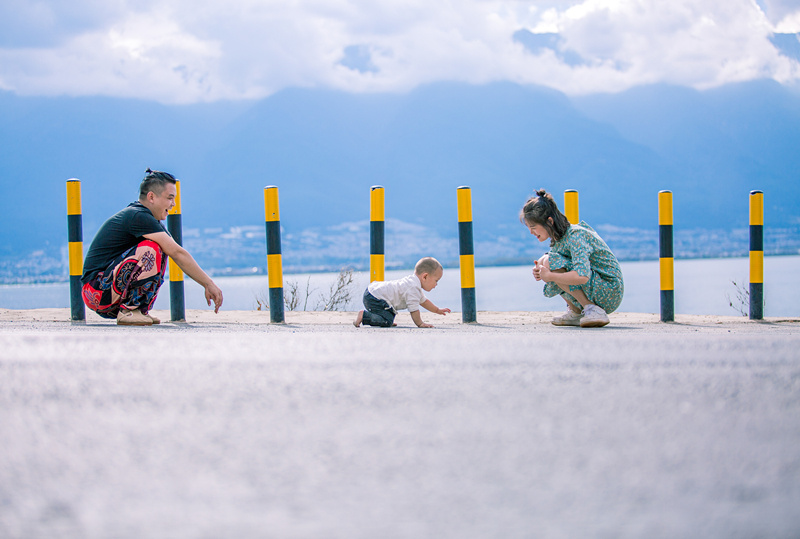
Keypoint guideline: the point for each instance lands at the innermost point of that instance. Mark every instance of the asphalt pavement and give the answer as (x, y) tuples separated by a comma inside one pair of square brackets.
[(506, 429)]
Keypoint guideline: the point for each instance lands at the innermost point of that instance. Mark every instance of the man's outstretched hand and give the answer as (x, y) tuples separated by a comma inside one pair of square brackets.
[(213, 293)]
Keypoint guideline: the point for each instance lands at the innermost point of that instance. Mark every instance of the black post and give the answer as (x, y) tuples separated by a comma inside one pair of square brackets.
[(177, 302)]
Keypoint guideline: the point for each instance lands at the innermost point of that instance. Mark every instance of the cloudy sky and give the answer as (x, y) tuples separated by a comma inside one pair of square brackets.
[(185, 51)]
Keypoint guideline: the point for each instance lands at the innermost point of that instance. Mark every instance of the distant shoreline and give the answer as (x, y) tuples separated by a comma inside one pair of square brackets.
[(316, 269)]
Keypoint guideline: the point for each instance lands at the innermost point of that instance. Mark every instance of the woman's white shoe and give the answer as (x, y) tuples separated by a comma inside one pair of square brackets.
[(593, 317), (570, 318)]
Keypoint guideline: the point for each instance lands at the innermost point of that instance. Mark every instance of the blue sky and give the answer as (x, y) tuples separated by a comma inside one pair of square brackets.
[(189, 51)]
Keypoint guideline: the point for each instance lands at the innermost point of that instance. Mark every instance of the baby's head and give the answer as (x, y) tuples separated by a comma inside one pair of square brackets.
[(429, 271)]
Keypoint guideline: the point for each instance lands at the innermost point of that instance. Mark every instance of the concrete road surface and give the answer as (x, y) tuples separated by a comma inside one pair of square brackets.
[(233, 427)]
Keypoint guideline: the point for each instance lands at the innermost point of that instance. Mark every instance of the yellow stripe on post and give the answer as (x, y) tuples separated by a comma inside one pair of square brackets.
[(76, 258), (275, 270), (464, 204), (571, 206), (467, 271), (757, 267), (74, 197), (665, 208), (757, 208), (667, 271), (377, 203), (176, 209), (377, 264), (175, 272), (272, 210)]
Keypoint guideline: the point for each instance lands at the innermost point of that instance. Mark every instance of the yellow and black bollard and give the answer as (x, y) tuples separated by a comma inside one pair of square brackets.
[(75, 239), (376, 233), (466, 255), (666, 257), (274, 262), (571, 207), (756, 255), (177, 300)]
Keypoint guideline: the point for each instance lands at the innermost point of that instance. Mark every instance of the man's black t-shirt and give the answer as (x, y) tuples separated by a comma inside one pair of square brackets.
[(121, 232)]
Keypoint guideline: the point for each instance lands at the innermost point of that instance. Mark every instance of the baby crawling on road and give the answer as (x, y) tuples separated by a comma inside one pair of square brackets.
[(383, 299)]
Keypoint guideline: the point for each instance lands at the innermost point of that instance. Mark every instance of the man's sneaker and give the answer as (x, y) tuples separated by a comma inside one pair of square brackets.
[(153, 318), (133, 317), (593, 317), (570, 318)]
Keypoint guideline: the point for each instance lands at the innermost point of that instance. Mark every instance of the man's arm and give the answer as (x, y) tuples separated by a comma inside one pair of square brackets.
[(189, 266)]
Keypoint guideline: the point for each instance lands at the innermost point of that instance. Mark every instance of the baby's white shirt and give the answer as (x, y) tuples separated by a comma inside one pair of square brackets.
[(405, 293)]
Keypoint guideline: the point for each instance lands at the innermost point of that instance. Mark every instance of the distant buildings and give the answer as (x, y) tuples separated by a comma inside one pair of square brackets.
[(241, 250)]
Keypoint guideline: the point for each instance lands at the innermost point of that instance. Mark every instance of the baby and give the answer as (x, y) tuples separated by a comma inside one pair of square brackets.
[(383, 299)]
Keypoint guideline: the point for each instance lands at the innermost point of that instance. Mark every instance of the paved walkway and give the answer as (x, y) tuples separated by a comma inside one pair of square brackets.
[(228, 426)]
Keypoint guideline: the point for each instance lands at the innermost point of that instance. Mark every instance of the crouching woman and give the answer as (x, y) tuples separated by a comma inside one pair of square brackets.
[(579, 267)]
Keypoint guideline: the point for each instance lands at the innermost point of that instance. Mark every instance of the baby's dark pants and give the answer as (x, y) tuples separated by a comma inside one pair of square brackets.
[(378, 311)]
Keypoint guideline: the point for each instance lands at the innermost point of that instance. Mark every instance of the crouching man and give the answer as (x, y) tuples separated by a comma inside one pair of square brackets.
[(127, 260)]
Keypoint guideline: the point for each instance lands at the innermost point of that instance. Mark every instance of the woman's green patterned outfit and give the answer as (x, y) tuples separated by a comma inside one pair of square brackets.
[(582, 250)]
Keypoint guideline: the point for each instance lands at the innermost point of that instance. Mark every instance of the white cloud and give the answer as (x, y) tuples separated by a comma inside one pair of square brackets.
[(179, 51), (700, 44), (790, 24), (142, 57), (777, 10)]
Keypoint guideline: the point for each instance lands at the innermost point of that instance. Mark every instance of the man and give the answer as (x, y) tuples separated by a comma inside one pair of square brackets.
[(126, 262)]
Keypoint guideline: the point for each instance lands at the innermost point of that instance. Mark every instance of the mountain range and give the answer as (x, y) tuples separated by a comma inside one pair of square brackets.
[(324, 149)]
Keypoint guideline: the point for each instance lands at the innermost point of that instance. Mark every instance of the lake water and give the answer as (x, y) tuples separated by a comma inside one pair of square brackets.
[(702, 286)]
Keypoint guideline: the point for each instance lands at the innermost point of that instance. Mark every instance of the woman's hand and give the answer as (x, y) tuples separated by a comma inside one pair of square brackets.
[(541, 272), (541, 268)]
